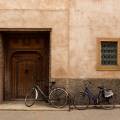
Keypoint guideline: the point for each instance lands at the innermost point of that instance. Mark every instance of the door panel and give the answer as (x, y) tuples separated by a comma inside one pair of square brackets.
[(27, 69)]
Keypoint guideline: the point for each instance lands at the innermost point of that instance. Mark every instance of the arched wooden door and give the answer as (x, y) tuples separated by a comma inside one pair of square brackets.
[(26, 70)]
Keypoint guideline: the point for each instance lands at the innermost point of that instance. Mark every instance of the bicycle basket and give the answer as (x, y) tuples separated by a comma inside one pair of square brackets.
[(108, 93)]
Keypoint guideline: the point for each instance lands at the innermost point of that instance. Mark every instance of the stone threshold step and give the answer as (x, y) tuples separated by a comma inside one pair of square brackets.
[(20, 106)]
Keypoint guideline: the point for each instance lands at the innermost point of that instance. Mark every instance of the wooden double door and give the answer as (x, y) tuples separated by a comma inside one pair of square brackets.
[(27, 63)]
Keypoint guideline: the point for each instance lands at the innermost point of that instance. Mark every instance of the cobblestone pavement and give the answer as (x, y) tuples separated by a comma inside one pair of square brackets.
[(91, 114)]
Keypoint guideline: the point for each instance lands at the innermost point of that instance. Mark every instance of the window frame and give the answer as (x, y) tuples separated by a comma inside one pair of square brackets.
[(101, 67)]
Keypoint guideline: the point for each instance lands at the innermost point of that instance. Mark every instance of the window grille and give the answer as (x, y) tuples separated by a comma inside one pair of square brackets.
[(108, 53)]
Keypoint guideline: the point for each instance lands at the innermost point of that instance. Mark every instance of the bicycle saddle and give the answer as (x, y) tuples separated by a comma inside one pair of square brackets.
[(100, 87), (52, 82)]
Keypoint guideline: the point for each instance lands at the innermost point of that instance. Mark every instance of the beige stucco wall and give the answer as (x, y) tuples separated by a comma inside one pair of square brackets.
[(75, 26), (41, 14), (90, 19)]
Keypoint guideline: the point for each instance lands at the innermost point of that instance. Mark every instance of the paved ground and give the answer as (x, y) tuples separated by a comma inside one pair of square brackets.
[(18, 111), (20, 106), (91, 114)]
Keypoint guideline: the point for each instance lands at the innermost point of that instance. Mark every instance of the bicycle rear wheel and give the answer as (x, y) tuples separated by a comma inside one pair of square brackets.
[(30, 98), (81, 101), (58, 98), (107, 103)]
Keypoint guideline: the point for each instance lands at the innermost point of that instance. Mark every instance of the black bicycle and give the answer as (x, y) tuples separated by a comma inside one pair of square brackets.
[(104, 98), (57, 97)]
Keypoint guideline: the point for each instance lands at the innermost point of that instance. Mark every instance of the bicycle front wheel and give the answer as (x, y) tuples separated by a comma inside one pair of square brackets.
[(58, 98), (30, 98), (81, 101)]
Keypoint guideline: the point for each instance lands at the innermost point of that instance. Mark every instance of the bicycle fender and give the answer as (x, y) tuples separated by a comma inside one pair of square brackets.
[(36, 95)]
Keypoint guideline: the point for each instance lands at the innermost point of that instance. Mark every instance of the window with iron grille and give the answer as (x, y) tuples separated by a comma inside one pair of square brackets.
[(108, 54)]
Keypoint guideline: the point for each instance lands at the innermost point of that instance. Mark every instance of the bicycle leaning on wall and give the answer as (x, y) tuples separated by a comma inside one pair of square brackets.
[(57, 97), (103, 99)]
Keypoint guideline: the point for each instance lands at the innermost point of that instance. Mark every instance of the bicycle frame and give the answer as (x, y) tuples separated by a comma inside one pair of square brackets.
[(38, 89), (90, 95)]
